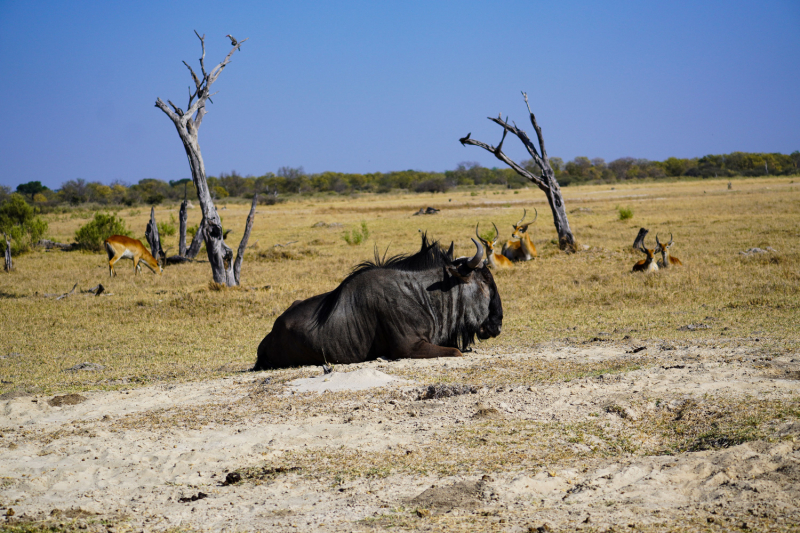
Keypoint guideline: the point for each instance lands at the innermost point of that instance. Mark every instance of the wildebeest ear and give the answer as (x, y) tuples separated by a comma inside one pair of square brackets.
[(450, 251), (453, 272)]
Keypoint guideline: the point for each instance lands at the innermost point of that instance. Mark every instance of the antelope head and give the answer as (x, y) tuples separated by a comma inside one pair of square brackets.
[(663, 249), (520, 228), (493, 259), (488, 246)]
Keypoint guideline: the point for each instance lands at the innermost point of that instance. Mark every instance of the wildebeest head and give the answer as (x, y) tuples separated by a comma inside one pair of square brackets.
[(474, 270)]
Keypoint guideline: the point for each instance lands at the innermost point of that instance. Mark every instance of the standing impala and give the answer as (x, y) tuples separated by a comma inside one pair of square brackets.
[(520, 247), (666, 260), (121, 247), (493, 259)]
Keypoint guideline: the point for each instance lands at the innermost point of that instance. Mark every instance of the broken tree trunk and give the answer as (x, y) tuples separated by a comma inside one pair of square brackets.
[(197, 240), (546, 180), (182, 216), (8, 265), (220, 256), (237, 265), (153, 239)]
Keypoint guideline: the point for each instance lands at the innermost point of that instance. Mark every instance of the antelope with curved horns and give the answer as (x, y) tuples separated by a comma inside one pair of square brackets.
[(121, 247), (520, 247), (493, 259), (666, 260), (648, 264)]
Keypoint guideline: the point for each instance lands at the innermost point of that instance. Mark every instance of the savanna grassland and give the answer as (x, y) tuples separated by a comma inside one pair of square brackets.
[(612, 400), (174, 327)]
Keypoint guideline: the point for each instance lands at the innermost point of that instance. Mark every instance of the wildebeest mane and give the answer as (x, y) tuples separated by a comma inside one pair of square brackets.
[(431, 255)]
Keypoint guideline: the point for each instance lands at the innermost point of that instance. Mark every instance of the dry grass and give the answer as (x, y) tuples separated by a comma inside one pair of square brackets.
[(176, 327)]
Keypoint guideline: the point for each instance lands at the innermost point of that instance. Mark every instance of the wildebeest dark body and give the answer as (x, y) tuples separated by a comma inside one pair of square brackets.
[(419, 306)]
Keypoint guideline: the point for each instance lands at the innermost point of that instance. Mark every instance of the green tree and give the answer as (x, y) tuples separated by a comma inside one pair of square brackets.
[(19, 220), (31, 188)]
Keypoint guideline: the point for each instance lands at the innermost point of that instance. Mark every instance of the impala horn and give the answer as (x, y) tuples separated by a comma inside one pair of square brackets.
[(473, 263), (478, 234), (496, 234), (524, 212)]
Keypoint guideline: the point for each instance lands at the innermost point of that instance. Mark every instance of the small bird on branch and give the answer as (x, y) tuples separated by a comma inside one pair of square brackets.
[(234, 42)]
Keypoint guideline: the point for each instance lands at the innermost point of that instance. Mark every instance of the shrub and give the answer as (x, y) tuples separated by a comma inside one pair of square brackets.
[(167, 228), (625, 213), (19, 220), (91, 235), (192, 230), (355, 237)]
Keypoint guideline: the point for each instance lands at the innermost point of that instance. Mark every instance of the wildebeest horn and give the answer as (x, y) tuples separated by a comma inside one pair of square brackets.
[(496, 234), (476, 260), (524, 212), (450, 251)]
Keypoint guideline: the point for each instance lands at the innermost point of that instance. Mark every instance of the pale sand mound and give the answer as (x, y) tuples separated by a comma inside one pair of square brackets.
[(364, 378)]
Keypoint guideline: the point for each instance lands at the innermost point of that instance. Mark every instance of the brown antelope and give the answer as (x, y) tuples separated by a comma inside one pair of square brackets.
[(666, 260), (648, 264), (520, 247), (121, 247), (493, 259)]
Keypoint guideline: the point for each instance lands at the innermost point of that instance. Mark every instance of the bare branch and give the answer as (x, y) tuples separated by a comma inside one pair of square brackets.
[(507, 160), (218, 69), (194, 76), (177, 109), (163, 107), (203, 55), (536, 127)]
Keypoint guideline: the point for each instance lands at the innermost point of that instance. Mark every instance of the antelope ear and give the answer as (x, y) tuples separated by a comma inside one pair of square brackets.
[(524, 227), (450, 251)]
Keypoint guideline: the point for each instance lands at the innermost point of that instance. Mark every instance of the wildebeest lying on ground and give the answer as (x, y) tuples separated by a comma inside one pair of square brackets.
[(420, 306)]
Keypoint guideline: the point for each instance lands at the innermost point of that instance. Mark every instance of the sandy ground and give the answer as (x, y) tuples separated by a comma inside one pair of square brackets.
[(133, 460)]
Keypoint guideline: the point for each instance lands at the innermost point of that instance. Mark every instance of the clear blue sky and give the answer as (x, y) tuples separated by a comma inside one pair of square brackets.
[(379, 86)]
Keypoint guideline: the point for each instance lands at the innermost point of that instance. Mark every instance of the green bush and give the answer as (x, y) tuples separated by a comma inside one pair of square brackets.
[(20, 222), (355, 237), (103, 226), (625, 213), (192, 230), (167, 228)]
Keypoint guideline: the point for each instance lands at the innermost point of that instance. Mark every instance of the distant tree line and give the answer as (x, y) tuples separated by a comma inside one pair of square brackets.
[(294, 181)]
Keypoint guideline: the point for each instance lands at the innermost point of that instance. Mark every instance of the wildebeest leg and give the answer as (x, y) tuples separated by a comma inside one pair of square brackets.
[(426, 350)]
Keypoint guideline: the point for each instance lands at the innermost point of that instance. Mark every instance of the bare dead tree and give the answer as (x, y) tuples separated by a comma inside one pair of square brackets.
[(8, 266), (545, 180), (188, 122)]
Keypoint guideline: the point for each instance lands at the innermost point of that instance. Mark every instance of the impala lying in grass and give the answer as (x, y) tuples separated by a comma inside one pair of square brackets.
[(493, 259), (666, 260), (648, 264), (121, 247), (520, 247)]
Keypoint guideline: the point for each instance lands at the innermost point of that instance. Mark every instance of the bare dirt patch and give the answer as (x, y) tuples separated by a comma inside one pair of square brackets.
[(568, 436)]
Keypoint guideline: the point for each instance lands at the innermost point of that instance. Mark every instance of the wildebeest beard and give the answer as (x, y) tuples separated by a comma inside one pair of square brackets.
[(423, 305)]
